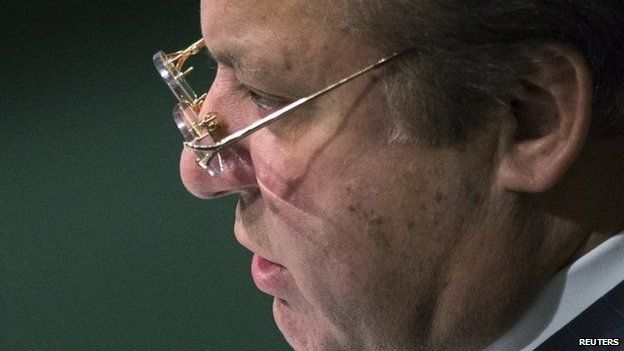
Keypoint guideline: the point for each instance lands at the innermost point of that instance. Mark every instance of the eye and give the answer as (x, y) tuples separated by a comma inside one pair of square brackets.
[(265, 102)]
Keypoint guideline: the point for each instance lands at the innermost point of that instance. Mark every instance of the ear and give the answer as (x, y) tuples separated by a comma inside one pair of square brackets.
[(551, 112)]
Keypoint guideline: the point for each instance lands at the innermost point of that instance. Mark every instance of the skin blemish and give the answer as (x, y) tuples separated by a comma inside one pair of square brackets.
[(376, 221), (288, 60), (410, 224), (359, 213), (475, 198), (375, 231), (438, 197), (288, 65)]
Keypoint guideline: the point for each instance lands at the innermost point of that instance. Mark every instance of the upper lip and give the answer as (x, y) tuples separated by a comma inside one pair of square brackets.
[(248, 198), (243, 238)]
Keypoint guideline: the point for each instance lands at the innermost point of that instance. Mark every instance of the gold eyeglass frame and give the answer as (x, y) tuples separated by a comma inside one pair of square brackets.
[(171, 68)]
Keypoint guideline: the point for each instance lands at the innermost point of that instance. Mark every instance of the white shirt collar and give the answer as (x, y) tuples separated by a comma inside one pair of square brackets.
[(569, 293)]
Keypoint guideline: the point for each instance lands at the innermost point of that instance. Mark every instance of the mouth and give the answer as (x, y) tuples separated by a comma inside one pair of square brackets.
[(270, 278)]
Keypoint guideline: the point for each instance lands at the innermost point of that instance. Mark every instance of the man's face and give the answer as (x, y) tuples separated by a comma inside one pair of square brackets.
[(353, 235)]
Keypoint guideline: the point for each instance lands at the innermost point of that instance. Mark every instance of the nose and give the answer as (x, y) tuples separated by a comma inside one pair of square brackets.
[(236, 167), (237, 174)]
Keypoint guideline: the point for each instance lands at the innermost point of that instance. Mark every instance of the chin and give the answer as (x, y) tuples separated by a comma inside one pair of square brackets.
[(291, 328), (302, 331)]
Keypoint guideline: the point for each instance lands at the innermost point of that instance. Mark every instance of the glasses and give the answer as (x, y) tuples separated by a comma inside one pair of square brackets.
[(205, 135)]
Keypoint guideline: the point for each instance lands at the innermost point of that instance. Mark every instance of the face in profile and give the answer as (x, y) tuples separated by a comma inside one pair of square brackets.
[(359, 240)]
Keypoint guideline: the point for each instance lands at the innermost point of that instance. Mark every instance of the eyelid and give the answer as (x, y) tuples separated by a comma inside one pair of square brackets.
[(267, 95), (276, 100), (271, 101), (224, 62)]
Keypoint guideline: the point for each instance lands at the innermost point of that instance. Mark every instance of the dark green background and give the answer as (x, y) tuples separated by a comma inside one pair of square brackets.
[(101, 247)]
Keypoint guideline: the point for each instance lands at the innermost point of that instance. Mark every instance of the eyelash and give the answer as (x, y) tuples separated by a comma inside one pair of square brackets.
[(263, 102)]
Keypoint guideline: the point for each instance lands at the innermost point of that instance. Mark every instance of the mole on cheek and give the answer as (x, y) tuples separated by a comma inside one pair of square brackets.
[(288, 65), (357, 213), (375, 231), (410, 224), (438, 197), (288, 60), (374, 225)]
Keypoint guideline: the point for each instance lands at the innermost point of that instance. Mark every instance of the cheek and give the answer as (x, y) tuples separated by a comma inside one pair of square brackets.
[(298, 174), (360, 249), (310, 153), (364, 276)]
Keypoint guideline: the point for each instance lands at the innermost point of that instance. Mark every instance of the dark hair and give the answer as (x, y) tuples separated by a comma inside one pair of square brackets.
[(470, 53)]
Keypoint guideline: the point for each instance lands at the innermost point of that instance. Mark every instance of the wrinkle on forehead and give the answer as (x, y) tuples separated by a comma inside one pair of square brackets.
[(234, 15), (297, 36)]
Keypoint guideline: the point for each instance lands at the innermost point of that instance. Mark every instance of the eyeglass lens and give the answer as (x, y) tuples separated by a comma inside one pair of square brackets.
[(193, 128)]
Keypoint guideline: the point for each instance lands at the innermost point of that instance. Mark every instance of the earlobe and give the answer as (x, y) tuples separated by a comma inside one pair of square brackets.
[(551, 112)]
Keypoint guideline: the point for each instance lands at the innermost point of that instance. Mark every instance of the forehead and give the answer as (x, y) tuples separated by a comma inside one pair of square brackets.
[(288, 33), (237, 15)]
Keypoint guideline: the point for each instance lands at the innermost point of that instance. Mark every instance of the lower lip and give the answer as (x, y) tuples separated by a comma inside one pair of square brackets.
[(269, 277)]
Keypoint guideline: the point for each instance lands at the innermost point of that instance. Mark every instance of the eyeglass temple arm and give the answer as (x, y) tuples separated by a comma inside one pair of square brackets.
[(179, 57), (274, 116)]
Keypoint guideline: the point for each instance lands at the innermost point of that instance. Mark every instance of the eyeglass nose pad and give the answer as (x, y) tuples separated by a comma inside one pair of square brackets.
[(193, 128), (205, 130), (213, 126), (212, 123)]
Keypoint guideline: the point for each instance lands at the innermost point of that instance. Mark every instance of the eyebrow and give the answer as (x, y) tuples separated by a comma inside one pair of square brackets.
[(227, 58), (234, 60), (255, 69)]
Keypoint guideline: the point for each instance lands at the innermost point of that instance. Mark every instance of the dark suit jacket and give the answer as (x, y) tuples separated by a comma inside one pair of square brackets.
[(604, 319)]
